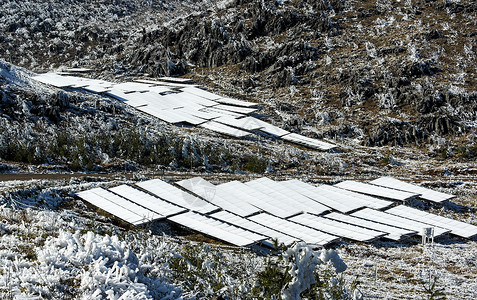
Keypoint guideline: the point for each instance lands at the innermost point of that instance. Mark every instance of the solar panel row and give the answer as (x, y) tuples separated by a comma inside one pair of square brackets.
[(338, 228), (425, 193), (176, 101), (393, 220), (458, 228), (374, 190), (227, 232)]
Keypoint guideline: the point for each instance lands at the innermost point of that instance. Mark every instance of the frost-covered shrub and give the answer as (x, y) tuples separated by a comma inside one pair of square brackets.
[(301, 272)]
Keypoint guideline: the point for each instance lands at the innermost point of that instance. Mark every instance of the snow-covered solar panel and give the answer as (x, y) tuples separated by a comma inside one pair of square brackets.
[(129, 87), (224, 129), (458, 228), (225, 113), (160, 89), (176, 196), (200, 113), (338, 228), (110, 207), (425, 193), (148, 201), (147, 214), (201, 93), (57, 80), (357, 198), (255, 227), (176, 80), (213, 227), (230, 101), (171, 115), (374, 190), (218, 196), (156, 86), (237, 109), (392, 232), (245, 123), (308, 142), (304, 233), (135, 99), (189, 100), (327, 196), (269, 128), (257, 199), (119, 207), (393, 220), (288, 197)]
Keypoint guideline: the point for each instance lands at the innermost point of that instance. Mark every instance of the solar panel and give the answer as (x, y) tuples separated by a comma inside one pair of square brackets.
[(237, 109), (176, 80), (223, 231), (134, 99), (245, 123), (325, 196), (224, 129), (426, 193), (268, 128), (218, 196), (258, 199), (289, 198), (171, 116), (374, 190), (186, 99), (255, 227), (129, 87), (458, 228), (118, 206), (308, 142), (201, 93), (200, 113), (357, 198), (393, 233), (338, 228), (389, 219), (230, 101), (222, 112), (148, 201), (304, 233), (57, 80), (176, 196)]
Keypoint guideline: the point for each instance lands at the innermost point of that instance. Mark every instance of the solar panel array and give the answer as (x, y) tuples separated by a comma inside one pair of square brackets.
[(370, 189), (176, 196), (323, 196), (255, 227), (220, 196), (338, 228), (425, 193), (259, 199), (304, 233), (263, 210), (393, 220), (218, 229), (147, 200), (458, 228), (392, 232), (118, 206), (287, 197), (177, 101)]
